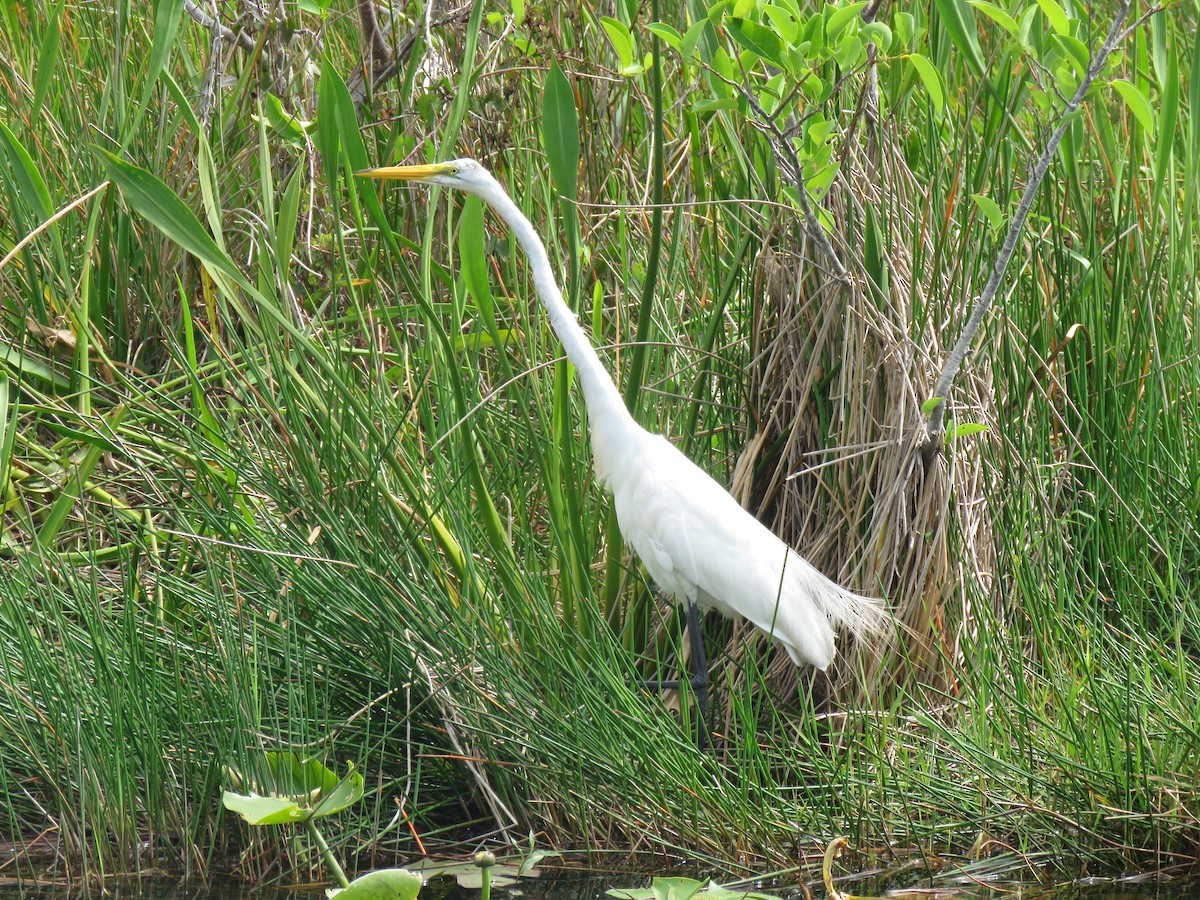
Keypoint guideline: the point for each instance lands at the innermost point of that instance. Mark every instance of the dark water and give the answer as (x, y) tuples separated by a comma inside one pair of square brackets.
[(593, 887)]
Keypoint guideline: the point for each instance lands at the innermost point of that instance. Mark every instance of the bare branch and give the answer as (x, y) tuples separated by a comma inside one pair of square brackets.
[(219, 30), (933, 428)]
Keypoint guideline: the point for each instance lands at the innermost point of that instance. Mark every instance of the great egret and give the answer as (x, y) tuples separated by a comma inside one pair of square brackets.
[(695, 540)]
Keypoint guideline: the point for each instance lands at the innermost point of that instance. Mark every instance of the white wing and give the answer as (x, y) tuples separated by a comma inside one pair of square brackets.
[(700, 545)]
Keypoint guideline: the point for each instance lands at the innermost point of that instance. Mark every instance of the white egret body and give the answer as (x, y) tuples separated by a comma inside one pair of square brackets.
[(695, 540)]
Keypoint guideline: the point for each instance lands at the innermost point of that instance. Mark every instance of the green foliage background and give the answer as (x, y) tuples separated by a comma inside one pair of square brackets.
[(289, 462)]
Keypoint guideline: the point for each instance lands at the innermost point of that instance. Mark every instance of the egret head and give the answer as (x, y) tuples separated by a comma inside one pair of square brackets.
[(462, 174)]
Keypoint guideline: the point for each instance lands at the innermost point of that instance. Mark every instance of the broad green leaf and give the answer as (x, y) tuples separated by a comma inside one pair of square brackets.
[(784, 21), (997, 15), (1137, 103), (621, 39), (1056, 16), (259, 810), (1076, 52), (928, 74), (668, 35), (167, 15), (661, 889), (294, 775), (878, 34), (691, 38), (158, 204), (382, 884), (959, 20), (1167, 112), (876, 256), (770, 93), (530, 861), (524, 44), (340, 143), (47, 60), (966, 429), (342, 118), (685, 889), (295, 789), (841, 16), (930, 405), (285, 223), (518, 11), (710, 106), (849, 53), (347, 792), (813, 87), (560, 131), (818, 184), (991, 210), (1025, 27), (722, 64), (282, 123), (469, 876), (25, 175), (30, 367), (714, 891), (472, 255), (906, 26), (819, 129), (676, 888), (758, 39)]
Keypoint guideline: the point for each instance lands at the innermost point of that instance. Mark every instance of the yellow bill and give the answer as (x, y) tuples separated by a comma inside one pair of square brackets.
[(405, 173)]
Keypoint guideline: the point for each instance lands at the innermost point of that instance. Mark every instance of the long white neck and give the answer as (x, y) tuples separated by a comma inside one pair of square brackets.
[(609, 420)]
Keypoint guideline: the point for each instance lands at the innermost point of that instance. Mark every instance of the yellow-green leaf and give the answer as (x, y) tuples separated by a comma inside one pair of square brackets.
[(151, 198), (932, 81), (1056, 16), (997, 15), (621, 39), (1137, 103), (668, 35), (991, 209)]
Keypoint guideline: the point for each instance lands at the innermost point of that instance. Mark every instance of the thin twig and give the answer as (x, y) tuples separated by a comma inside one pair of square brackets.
[(933, 428), (78, 201), (786, 155)]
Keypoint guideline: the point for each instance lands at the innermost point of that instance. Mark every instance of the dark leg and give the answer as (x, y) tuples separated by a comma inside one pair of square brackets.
[(699, 680), (699, 667), (699, 673)]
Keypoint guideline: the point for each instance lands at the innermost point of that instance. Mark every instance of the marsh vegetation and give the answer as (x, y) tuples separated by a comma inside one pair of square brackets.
[(288, 462)]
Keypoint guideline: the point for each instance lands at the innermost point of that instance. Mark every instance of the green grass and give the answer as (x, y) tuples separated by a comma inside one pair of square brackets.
[(318, 484)]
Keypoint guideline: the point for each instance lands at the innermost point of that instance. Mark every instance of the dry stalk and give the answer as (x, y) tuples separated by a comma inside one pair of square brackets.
[(844, 361)]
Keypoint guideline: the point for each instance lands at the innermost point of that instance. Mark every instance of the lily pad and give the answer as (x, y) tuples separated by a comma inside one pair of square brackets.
[(382, 884), (685, 889), (294, 789), (259, 810), (468, 875)]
